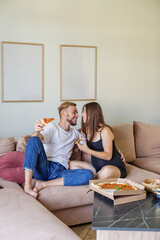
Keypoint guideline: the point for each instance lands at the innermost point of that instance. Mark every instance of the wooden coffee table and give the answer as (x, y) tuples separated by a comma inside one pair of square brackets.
[(129, 221)]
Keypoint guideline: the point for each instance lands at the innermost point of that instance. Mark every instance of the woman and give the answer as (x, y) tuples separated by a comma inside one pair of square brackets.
[(100, 143)]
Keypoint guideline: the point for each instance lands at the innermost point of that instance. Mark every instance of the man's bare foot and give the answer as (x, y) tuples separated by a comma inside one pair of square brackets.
[(31, 192), (39, 185)]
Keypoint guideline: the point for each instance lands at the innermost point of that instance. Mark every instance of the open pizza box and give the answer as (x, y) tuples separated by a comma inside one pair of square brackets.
[(117, 195)]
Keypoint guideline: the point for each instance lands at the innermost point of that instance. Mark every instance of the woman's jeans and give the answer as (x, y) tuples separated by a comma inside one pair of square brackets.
[(36, 161)]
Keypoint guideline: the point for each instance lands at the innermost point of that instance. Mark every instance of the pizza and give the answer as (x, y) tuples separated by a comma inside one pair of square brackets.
[(79, 139), (45, 121), (115, 186)]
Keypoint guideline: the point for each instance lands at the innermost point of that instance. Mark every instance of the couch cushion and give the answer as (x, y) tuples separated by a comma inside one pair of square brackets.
[(124, 140), (76, 215), (138, 175), (11, 165), (22, 143), (7, 145), (61, 197), (23, 217), (147, 140), (150, 164)]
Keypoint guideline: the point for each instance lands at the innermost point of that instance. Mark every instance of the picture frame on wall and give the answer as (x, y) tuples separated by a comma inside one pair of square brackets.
[(22, 72), (78, 70)]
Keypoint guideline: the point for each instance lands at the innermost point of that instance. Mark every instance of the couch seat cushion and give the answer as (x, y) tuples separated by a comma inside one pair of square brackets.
[(11, 167), (137, 174), (124, 140), (7, 145), (61, 197), (147, 140), (23, 217), (150, 164)]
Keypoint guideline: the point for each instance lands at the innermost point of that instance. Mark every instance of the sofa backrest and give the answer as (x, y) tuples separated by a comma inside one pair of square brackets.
[(22, 143), (124, 140), (147, 140), (7, 145)]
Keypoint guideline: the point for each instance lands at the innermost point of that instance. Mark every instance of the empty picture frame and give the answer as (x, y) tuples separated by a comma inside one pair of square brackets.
[(22, 72), (78, 72)]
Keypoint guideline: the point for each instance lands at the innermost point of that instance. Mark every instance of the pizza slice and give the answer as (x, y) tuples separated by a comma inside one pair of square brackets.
[(45, 121), (79, 139)]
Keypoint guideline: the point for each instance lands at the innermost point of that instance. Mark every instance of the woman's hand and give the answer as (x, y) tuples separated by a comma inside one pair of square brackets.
[(122, 156), (83, 146)]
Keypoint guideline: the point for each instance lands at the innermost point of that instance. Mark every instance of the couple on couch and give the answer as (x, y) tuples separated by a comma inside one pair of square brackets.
[(50, 147)]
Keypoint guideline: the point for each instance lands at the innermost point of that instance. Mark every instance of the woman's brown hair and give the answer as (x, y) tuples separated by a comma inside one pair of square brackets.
[(94, 121)]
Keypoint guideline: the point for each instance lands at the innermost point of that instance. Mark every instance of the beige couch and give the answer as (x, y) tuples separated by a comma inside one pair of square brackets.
[(140, 144), (73, 205), (22, 217)]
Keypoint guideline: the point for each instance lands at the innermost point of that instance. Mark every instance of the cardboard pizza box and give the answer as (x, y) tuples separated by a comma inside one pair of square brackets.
[(120, 196), (139, 188), (127, 199)]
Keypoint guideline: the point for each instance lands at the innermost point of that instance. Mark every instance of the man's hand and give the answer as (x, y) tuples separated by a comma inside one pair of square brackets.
[(38, 126), (122, 156)]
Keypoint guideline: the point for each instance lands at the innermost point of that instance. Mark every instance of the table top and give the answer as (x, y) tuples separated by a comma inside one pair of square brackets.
[(143, 215)]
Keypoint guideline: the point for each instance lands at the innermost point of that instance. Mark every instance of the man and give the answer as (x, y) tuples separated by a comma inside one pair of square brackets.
[(48, 152)]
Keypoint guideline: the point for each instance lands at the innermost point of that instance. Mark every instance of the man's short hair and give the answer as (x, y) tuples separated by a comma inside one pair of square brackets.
[(65, 105)]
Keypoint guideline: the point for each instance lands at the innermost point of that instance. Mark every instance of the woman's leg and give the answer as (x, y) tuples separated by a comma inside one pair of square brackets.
[(81, 165), (108, 172)]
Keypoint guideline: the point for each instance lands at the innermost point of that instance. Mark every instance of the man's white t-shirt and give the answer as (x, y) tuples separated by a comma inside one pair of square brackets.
[(58, 143)]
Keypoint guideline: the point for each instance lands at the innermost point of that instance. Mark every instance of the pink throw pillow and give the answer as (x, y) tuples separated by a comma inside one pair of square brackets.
[(11, 167)]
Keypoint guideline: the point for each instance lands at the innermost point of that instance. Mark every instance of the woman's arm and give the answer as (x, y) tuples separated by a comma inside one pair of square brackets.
[(107, 139)]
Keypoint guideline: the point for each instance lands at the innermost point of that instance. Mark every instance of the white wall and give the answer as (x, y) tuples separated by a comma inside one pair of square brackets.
[(127, 35)]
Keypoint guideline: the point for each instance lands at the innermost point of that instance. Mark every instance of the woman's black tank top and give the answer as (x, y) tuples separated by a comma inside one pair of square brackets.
[(98, 163)]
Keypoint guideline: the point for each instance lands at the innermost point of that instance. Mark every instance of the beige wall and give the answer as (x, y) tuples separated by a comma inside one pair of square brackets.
[(127, 35)]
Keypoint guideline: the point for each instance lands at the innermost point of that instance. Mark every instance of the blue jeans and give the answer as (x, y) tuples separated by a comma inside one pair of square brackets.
[(36, 160)]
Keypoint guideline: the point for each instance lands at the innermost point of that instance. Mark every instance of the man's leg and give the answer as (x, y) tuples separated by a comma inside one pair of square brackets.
[(54, 177), (77, 177), (27, 186), (43, 184), (35, 164), (66, 177)]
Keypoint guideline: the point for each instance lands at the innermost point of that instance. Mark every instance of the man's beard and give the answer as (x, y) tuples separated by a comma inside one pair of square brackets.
[(71, 122)]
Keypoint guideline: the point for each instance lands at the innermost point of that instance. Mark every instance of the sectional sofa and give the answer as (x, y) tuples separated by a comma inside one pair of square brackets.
[(139, 142)]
